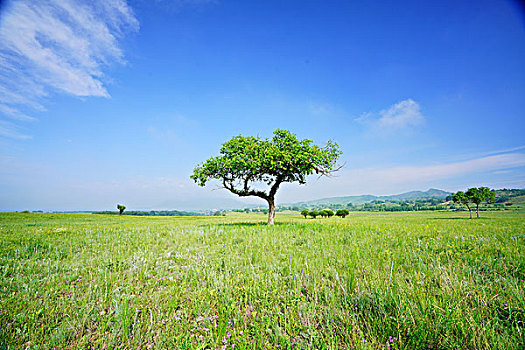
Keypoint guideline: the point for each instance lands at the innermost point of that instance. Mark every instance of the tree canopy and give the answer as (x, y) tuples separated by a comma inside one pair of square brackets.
[(461, 198), (246, 162), (313, 213), (121, 208), (475, 195), (342, 213)]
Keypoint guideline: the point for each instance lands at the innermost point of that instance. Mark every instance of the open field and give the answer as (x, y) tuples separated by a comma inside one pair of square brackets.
[(373, 280)]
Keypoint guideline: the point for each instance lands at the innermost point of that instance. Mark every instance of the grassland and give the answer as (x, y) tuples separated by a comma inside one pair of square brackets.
[(370, 281)]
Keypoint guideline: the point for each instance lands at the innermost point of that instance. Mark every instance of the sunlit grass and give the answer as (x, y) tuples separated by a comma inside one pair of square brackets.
[(372, 280)]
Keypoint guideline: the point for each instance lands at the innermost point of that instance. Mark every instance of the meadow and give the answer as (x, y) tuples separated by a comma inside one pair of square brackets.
[(433, 280)]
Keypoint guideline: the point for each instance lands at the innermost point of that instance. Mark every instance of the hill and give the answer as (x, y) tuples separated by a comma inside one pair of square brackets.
[(358, 200)]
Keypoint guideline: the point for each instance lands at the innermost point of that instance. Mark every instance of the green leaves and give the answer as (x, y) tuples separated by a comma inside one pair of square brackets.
[(121, 208), (481, 194), (284, 158), (342, 213), (248, 160), (460, 197)]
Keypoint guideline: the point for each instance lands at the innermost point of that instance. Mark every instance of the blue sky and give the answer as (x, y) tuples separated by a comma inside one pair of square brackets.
[(107, 102)]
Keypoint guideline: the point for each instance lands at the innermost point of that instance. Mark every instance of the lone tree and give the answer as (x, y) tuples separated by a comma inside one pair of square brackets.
[(246, 163), (461, 198), (479, 195), (121, 209)]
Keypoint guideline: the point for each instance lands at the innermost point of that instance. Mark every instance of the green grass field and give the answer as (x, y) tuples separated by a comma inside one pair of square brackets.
[(370, 281)]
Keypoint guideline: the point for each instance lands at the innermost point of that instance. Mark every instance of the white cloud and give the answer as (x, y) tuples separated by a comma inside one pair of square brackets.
[(50, 46), (403, 114)]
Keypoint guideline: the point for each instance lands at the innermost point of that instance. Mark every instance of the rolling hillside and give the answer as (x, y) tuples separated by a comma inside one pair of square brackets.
[(357, 200)]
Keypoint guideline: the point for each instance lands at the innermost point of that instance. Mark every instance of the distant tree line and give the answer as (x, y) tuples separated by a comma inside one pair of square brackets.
[(151, 213), (505, 195), (326, 213), (378, 205), (501, 202), (251, 210)]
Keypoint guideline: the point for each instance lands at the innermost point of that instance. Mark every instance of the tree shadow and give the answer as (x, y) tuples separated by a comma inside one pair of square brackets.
[(450, 218), (247, 224), (462, 218), (255, 224)]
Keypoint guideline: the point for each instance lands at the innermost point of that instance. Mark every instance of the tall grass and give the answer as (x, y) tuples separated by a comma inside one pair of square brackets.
[(370, 281)]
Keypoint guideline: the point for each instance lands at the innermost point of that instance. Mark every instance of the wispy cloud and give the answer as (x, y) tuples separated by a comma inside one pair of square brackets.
[(507, 150), (424, 175), (396, 179), (404, 114), (409, 174), (58, 46), (10, 130), (15, 113)]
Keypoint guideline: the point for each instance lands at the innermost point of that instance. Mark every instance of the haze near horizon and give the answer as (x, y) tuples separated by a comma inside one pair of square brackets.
[(117, 101)]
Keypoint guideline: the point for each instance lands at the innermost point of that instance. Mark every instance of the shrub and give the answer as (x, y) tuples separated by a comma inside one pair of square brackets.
[(313, 213), (342, 213)]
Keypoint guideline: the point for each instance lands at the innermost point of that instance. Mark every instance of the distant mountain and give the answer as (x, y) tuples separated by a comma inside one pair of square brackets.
[(431, 193), (358, 200)]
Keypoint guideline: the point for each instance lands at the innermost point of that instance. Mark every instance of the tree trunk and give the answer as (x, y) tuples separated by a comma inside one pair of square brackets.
[(477, 210), (271, 211), (470, 211)]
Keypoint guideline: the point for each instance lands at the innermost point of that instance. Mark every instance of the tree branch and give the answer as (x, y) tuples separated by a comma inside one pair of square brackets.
[(328, 173), (244, 192), (278, 180)]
